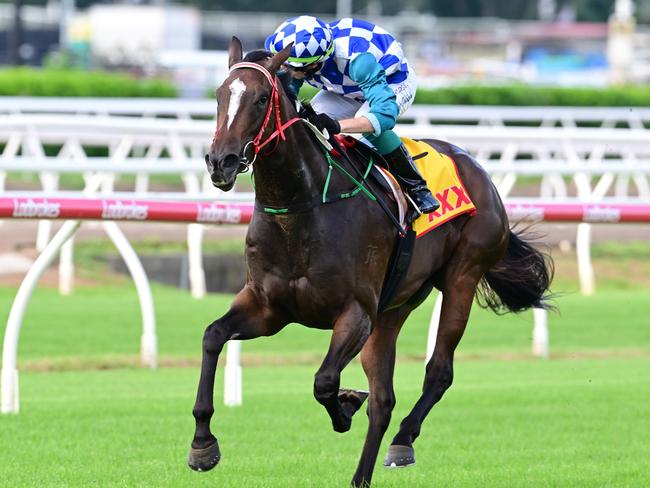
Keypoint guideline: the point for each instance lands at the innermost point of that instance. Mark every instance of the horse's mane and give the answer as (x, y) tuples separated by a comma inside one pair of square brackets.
[(258, 55), (306, 111)]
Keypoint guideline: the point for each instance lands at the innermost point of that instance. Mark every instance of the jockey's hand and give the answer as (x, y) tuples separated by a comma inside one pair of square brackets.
[(324, 121)]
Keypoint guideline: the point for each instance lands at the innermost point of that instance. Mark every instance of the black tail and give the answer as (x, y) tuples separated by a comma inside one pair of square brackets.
[(519, 281)]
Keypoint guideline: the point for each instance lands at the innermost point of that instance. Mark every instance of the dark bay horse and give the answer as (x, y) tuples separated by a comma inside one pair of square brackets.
[(323, 265)]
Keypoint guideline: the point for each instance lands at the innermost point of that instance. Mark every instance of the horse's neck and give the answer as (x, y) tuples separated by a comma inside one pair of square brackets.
[(294, 172)]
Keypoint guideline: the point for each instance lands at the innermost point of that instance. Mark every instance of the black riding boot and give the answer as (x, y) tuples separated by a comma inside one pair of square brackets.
[(404, 169)]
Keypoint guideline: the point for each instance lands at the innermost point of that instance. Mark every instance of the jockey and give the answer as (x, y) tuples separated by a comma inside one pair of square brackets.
[(365, 82)]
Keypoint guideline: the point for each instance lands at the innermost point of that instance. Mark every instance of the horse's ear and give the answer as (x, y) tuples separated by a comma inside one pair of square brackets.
[(280, 58), (234, 52)]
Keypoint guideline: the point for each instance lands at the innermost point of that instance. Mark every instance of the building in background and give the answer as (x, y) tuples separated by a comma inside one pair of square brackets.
[(188, 45), (137, 34)]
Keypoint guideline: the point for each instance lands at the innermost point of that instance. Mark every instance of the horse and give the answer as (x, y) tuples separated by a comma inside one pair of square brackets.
[(323, 265)]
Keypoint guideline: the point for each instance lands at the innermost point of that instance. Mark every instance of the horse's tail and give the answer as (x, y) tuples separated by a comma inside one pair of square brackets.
[(520, 279)]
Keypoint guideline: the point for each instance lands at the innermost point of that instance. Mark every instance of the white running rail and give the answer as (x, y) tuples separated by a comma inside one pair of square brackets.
[(591, 163), (606, 117)]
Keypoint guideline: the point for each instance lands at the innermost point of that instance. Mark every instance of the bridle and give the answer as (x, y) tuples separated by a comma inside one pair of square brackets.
[(273, 106), (258, 144)]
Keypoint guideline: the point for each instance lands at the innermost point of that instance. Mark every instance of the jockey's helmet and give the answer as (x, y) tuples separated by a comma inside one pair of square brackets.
[(311, 38)]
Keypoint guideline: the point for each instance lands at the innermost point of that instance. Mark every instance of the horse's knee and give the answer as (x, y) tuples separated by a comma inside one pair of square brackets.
[(380, 407), (214, 337), (326, 386)]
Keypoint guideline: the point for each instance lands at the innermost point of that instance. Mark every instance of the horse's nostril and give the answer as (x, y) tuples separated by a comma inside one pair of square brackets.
[(231, 160), (209, 164)]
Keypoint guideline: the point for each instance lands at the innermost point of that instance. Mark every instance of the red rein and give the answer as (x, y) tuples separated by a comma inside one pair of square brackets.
[(274, 103)]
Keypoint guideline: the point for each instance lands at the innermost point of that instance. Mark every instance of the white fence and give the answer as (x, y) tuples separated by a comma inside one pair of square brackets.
[(633, 118), (593, 163), (110, 209), (596, 162), (621, 156)]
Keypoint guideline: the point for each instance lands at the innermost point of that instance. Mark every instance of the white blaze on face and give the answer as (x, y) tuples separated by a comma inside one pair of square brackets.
[(237, 89)]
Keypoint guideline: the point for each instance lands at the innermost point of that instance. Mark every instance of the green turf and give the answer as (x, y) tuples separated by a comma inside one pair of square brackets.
[(577, 421), (103, 323), (521, 423)]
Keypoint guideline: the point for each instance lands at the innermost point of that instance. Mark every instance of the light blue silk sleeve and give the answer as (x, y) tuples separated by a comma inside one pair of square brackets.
[(371, 77)]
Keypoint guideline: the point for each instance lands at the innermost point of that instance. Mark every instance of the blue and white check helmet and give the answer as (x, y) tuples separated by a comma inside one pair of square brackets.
[(311, 37)]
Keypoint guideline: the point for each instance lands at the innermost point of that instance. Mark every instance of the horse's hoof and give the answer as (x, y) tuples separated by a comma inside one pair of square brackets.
[(399, 457), (204, 459), (351, 400)]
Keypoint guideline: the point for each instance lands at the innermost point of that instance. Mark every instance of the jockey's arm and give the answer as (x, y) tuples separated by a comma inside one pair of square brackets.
[(357, 125), (371, 77)]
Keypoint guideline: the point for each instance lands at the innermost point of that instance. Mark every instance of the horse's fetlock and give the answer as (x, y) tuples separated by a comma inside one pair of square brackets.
[(201, 413)]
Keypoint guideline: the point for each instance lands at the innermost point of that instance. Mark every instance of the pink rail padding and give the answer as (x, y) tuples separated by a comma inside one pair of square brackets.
[(579, 212), (124, 209), (241, 213)]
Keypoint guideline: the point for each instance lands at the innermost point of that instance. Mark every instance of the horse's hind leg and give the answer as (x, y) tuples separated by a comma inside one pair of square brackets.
[(378, 361), (247, 318), (350, 332), (459, 289)]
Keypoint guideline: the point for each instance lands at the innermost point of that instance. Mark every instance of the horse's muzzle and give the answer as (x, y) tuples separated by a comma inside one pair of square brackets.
[(222, 171)]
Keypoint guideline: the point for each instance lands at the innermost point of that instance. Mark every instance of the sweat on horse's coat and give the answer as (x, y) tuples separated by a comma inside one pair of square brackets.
[(324, 268)]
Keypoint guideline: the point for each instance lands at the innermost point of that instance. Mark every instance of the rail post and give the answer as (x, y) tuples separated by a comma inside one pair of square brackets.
[(232, 384), (9, 397)]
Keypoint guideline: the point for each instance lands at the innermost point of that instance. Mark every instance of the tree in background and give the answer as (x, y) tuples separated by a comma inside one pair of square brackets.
[(590, 10), (288, 6), (585, 10), (521, 9)]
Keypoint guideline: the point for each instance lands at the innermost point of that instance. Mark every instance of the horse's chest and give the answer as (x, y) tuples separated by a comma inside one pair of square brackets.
[(309, 290)]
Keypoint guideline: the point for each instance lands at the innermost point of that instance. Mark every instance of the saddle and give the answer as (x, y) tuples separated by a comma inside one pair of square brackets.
[(361, 154), (443, 179), (438, 170)]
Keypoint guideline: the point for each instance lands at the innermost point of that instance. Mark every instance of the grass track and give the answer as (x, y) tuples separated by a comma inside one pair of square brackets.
[(566, 423), (103, 325), (526, 423)]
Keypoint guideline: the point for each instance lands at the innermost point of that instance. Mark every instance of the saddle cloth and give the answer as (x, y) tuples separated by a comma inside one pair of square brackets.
[(441, 175)]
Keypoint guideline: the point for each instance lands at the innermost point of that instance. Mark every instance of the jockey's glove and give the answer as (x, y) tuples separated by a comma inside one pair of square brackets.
[(325, 122)]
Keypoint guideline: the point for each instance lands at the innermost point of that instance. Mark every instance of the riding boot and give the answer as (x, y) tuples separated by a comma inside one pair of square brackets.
[(402, 165)]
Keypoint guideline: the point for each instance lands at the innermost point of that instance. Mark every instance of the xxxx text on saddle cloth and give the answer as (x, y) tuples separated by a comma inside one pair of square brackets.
[(443, 180)]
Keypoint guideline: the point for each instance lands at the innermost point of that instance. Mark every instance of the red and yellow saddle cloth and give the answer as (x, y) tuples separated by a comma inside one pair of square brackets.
[(443, 180)]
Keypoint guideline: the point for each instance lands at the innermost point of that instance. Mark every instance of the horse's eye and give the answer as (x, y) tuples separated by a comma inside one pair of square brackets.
[(263, 99)]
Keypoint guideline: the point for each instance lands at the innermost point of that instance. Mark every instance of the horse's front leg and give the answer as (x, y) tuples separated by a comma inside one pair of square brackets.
[(350, 332), (247, 318)]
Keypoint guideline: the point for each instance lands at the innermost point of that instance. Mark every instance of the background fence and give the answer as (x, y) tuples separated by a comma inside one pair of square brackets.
[(585, 174), (159, 137)]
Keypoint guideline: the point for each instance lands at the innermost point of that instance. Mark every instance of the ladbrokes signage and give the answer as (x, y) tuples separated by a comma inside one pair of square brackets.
[(124, 211), (215, 214), (29, 208)]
